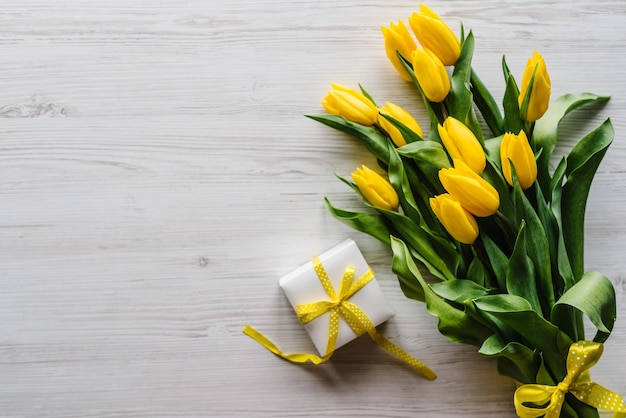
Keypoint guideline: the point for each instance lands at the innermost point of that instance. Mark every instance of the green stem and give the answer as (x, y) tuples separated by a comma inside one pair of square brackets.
[(444, 111), (486, 105), (484, 258), (529, 128), (510, 230)]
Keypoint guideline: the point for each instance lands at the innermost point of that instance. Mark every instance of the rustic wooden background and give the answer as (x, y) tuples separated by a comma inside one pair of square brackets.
[(157, 177)]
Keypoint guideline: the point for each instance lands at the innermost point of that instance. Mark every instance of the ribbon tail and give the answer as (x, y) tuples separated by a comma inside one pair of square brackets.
[(600, 397), (403, 355), (293, 357)]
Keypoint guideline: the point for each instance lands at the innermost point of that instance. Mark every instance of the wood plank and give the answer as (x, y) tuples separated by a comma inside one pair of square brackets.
[(158, 177)]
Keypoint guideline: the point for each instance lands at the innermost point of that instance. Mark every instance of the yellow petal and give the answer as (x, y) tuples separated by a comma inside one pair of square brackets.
[(456, 220), (350, 104), (540, 94), (462, 144), (400, 115), (431, 75), (398, 40), (375, 189), (433, 33), (516, 149), (475, 194)]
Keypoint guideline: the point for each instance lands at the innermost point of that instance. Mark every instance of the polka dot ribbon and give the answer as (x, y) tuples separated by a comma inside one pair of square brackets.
[(549, 399), (339, 306)]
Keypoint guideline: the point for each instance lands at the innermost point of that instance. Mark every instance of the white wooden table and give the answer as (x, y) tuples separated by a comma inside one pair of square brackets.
[(157, 177)]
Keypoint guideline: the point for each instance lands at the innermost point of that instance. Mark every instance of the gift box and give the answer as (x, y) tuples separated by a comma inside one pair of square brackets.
[(337, 298), (304, 286)]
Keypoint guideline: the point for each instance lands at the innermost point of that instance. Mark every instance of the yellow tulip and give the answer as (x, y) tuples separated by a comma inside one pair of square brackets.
[(431, 74), (434, 34), (540, 93), (376, 190), (350, 104), (457, 220), (398, 39), (400, 115), (461, 144), (473, 193), (516, 149)]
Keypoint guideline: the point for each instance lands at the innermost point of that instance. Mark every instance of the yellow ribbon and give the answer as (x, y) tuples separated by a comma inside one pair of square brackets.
[(339, 306), (549, 399)]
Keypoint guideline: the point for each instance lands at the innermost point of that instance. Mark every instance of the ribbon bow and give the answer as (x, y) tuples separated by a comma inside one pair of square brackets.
[(339, 306), (581, 357)]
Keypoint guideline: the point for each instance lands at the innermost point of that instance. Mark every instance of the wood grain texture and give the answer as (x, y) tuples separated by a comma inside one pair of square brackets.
[(157, 177)]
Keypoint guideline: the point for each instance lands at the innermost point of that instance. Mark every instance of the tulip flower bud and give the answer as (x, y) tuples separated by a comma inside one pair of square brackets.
[(399, 40), (539, 98), (376, 190), (350, 104), (516, 149), (473, 193), (462, 144), (435, 35), (431, 75), (400, 115), (458, 222)]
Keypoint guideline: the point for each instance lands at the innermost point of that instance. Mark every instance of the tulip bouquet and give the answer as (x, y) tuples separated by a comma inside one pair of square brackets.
[(499, 230)]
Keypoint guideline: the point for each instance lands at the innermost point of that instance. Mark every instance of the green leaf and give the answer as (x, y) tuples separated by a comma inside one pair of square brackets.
[(460, 98), (425, 174), (545, 133), (515, 359), (426, 151), (411, 288), (544, 376), (371, 224), (492, 149), (555, 194), (594, 296), (399, 181), (562, 276), (537, 247), (520, 276), (405, 180), (455, 324), (438, 256), (582, 163), (556, 188), (349, 183), (459, 291), (407, 133), (376, 142), (564, 267), (594, 143), (366, 94), (512, 120), (498, 260), (526, 99), (537, 333), (486, 105), (477, 272)]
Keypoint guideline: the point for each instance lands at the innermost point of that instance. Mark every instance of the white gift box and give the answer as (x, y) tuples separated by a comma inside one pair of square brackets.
[(303, 286)]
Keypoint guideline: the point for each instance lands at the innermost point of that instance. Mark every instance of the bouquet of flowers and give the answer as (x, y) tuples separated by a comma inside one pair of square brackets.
[(499, 230)]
